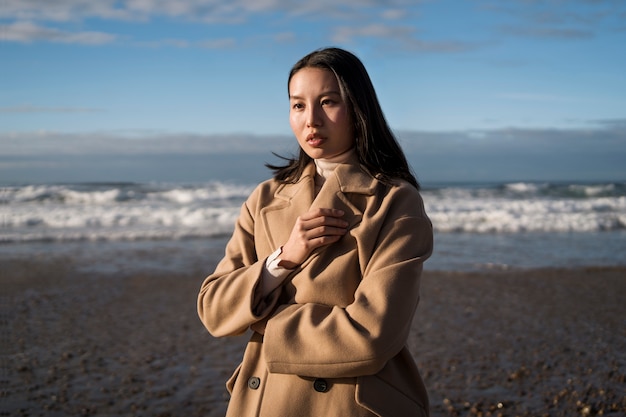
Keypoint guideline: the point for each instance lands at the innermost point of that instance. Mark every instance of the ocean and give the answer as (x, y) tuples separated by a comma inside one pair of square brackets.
[(176, 225)]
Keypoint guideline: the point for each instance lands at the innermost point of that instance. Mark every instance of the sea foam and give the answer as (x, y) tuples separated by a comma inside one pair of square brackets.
[(130, 211)]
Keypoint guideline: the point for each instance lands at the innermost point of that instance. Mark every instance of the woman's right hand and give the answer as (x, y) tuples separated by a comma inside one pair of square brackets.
[(315, 228)]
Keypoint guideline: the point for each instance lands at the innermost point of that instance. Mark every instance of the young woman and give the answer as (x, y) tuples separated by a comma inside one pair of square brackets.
[(325, 261)]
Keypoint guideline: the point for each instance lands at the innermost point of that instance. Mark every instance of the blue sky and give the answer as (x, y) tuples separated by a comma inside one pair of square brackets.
[(455, 78)]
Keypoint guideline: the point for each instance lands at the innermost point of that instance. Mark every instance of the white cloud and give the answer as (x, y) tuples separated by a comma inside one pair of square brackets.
[(596, 152), (284, 37), (546, 14), (214, 10), (135, 143), (218, 43), (183, 43), (534, 97), (178, 43), (62, 10), (27, 32), (392, 21), (602, 135), (399, 37), (386, 20), (420, 45), (39, 20), (548, 32), (557, 19), (347, 34), (394, 14), (616, 124), (38, 109)]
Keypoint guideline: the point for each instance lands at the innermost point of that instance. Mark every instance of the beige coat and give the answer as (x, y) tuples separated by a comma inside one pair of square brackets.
[(334, 342)]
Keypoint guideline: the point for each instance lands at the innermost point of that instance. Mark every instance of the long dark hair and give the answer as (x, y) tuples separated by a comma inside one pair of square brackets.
[(376, 146)]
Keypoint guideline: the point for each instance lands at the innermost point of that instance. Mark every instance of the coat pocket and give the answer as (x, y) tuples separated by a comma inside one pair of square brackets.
[(385, 400), (230, 384)]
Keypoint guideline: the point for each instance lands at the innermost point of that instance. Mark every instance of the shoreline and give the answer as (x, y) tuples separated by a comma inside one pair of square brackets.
[(516, 342), (468, 252)]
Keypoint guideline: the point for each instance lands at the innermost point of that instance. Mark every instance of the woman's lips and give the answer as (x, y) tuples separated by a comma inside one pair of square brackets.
[(314, 140)]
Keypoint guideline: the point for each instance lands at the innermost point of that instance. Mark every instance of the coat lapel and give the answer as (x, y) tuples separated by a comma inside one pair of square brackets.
[(346, 179), (292, 200)]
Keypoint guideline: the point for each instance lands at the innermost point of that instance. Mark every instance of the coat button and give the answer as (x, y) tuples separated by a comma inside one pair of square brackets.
[(254, 382), (320, 385)]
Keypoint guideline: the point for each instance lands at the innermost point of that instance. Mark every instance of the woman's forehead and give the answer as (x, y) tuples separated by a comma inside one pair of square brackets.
[(313, 80)]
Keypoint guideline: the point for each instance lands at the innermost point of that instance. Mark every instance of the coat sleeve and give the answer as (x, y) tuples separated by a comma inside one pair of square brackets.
[(329, 341), (228, 302)]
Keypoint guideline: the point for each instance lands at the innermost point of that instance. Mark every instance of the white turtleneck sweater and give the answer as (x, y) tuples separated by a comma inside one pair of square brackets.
[(325, 167), (274, 274)]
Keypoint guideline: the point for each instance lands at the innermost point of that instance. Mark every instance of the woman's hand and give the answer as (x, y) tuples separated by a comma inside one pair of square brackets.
[(316, 228)]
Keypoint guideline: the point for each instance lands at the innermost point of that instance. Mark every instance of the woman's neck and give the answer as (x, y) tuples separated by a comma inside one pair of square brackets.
[(325, 166)]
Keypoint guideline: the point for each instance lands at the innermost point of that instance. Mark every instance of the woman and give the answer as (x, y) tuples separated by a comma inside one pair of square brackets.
[(325, 261)]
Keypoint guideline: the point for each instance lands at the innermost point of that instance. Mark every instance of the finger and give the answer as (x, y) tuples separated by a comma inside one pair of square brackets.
[(323, 241), (325, 231), (323, 222), (322, 212)]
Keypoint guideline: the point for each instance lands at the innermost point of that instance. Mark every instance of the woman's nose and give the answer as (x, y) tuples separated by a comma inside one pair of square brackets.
[(313, 117)]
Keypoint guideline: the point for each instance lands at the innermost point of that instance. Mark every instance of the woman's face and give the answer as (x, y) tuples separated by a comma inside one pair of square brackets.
[(318, 115)]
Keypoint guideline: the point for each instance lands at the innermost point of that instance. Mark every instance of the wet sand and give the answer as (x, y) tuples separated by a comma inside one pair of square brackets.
[(508, 343)]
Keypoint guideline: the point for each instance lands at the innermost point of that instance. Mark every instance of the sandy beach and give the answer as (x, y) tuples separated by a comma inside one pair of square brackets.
[(508, 343)]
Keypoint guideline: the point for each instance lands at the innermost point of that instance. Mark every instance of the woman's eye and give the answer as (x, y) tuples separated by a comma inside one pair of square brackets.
[(327, 102), (297, 106)]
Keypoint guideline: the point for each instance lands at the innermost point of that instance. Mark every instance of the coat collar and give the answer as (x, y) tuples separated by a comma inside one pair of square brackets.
[(292, 200), (346, 178)]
